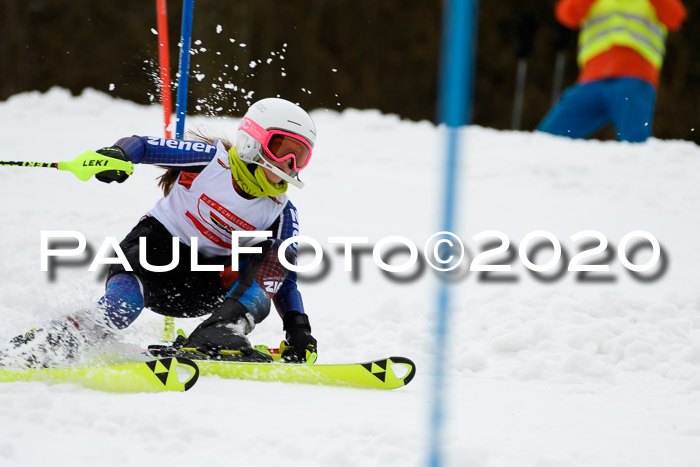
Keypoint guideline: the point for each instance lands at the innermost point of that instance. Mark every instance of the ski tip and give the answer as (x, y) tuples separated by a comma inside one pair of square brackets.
[(195, 371), (158, 375), (411, 368), (174, 373)]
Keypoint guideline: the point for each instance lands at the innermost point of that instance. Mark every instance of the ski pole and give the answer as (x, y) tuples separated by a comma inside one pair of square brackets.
[(84, 166), (561, 42), (525, 27)]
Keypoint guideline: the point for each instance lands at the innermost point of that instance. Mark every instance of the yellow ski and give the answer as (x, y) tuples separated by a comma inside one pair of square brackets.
[(388, 373), (165, 374)]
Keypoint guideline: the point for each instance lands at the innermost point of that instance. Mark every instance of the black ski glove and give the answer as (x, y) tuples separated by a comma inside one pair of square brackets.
[(300, 345), (109, 176)]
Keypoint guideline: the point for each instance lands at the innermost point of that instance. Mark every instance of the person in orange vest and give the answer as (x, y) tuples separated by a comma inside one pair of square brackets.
[(621, 48)]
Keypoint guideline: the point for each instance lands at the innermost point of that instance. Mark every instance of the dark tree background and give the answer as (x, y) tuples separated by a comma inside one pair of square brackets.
[(336, 54)]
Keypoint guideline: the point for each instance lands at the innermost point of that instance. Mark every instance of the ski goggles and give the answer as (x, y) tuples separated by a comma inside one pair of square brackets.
[(279, 145)]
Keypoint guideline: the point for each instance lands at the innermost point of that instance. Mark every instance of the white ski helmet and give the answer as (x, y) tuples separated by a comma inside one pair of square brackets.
[(276, 129)]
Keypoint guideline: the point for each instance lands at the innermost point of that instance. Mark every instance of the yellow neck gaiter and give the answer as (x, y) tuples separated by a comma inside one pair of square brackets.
[(255, 184)]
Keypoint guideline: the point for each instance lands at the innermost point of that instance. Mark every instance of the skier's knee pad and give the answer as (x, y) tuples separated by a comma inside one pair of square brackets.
[(275, 244), (261, 278), (269, 267), (123, 299)]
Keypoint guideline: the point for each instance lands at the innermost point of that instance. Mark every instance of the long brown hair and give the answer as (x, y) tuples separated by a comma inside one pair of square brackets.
[(170, 176)]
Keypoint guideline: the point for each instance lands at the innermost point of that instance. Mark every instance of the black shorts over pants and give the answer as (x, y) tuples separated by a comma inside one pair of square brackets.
[(179, 292)]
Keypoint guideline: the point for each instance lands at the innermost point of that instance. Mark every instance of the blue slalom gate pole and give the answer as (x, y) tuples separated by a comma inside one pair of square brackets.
[(184, 68), (454, 108), (181, 107)]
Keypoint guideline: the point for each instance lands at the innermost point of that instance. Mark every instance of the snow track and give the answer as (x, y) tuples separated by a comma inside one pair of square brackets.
[(560, 373)]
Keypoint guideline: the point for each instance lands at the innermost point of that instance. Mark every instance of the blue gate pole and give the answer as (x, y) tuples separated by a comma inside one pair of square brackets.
[(184, 68), (454, 109)]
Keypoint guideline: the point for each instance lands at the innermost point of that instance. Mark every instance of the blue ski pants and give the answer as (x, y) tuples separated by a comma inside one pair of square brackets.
[(627, 103)]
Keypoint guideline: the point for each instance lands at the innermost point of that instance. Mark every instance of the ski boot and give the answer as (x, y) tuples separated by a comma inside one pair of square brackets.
[(60, 343), (222, 336), (54, 345)]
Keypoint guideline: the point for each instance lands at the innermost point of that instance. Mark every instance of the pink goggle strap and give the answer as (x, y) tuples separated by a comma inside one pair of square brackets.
[(254, 130)]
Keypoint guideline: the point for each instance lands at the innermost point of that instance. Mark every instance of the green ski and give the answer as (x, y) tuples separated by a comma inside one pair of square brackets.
[(165, 374)]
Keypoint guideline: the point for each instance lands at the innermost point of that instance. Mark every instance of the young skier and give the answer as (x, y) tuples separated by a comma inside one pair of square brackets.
[(211, 190)]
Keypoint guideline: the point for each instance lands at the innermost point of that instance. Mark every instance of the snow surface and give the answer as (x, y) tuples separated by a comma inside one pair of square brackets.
[(559, 373)]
